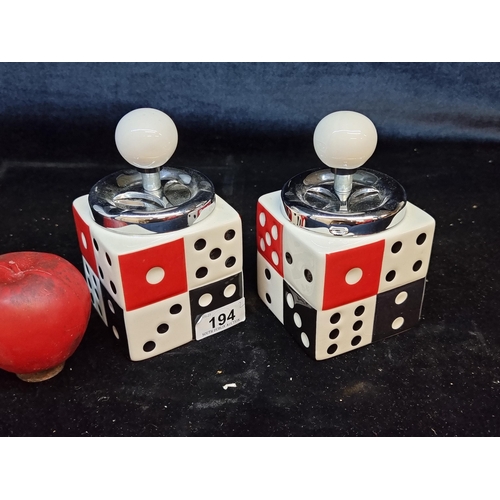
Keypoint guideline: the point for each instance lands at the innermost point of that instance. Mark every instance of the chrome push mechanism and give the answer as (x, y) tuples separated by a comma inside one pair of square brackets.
[(344, 200), (149, 198)]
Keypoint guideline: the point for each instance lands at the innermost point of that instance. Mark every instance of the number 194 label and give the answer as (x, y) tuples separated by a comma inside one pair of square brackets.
[(220, 319)]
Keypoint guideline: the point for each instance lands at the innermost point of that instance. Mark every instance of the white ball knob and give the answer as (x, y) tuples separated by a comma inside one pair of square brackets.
[(146, 137), (345, 139)]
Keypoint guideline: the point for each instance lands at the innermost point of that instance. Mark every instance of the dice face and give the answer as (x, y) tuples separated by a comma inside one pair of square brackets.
[(143, 285), (116, 321), (300, 319), (304, 268), (398, 309), (270, 286), (84, 240), (270, 238), (153, 274), (215, 253), (407, 253), (345, 292), (153, 329), (324, 334), (345, 328), (95, 289), (351, 275)]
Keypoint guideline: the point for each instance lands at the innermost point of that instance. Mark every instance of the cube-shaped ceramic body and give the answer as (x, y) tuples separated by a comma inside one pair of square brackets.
[(156, 292), (336, 294)]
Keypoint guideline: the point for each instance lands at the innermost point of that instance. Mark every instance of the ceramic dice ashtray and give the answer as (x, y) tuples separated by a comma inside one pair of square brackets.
[(162, 253), (342, 256)]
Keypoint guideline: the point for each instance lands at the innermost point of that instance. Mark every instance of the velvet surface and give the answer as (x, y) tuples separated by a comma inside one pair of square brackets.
[(239, 124), (69, 110)]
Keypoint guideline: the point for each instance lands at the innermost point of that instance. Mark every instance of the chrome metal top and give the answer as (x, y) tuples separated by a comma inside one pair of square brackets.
[(125, 201), (375, 202)]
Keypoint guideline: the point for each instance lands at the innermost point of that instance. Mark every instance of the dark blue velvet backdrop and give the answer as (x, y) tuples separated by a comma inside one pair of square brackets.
[(53, 102), (249, 128)]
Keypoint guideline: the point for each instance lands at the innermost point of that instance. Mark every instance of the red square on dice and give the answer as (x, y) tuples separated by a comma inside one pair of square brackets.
[(270, 238), (352, 275), (153, 274)]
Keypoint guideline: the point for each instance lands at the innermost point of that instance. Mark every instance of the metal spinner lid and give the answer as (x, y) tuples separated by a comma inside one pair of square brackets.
[(150, 199), (344, 200)]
